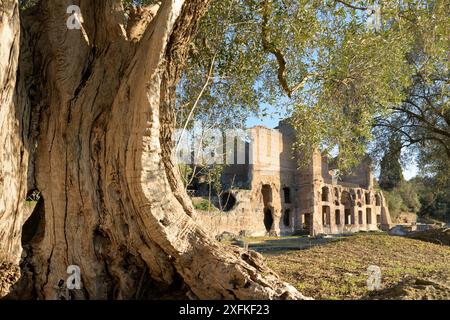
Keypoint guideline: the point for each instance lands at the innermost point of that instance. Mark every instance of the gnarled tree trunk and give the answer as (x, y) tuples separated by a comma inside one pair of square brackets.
[(111, 199), (13, 153)]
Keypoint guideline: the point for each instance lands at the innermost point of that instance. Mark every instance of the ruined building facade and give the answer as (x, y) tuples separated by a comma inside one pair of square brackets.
[(271, 195)]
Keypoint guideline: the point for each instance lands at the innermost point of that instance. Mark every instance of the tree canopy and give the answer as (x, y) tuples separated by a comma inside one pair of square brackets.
[(345, 82)]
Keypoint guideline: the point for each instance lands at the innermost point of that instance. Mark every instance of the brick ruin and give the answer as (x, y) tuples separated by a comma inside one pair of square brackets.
[(270, 194)]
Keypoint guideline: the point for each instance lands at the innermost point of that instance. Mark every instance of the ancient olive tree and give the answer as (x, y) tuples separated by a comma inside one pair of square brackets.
[(93, 111)]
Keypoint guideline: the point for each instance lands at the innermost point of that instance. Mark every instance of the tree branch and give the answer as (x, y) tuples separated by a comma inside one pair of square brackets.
[(352, 6), (139, 19), (272, 48), (429, 126)]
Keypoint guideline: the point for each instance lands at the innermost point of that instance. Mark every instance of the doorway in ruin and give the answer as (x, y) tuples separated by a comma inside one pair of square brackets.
[(307, 222), (326, 216), (287, 218), (347, 216), (268, 219), (368, 215), (266, 191), (346, 201)]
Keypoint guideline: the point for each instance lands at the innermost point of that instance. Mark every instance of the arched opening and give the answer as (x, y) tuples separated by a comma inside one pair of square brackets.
[(346, 201), (368, 216), (326, 219), (266, 191), (367, 198), (377, 200), (338, 217), (307, 221), (268, 219), (287, 218), (347, 217), (287, 195), (325, 194), (336, 196), (227, 201)]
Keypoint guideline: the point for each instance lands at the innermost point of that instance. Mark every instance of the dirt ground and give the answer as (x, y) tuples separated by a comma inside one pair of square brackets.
[(337, 268)]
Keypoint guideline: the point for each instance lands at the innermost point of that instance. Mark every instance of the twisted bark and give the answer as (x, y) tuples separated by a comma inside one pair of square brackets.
[(111, 198)]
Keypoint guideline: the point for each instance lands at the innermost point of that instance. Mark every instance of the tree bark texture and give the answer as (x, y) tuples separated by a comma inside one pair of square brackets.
[(99, 108)]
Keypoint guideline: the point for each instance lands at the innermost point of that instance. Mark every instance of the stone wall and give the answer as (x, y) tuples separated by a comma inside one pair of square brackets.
[(247, 217), (282, 198)]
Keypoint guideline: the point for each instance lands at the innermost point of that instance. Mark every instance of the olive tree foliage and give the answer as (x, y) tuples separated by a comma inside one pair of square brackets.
[(340, 77), (422, 120), (391, 174), (344, 81), (319, 57), (367, 76)]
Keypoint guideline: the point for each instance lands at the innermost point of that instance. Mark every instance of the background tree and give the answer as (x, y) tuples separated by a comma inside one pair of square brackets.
[(340, 77), (391, 172)]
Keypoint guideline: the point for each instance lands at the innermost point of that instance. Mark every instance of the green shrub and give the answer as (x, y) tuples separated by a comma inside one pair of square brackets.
[(404, 198), (203, 204), (394, 202)]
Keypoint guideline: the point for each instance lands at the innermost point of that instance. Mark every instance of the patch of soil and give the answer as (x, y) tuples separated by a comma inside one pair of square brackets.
[(410, 268), (413, 289)]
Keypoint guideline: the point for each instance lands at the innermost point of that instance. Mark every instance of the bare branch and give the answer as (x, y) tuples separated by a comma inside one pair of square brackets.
[(191, 113), (272, 48), (351, 6)]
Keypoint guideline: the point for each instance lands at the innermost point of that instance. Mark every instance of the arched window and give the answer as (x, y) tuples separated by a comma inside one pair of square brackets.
[(338, 217), (368, 216), (287, 218), (325, 194), (287, 195), (336, 196), (367, 198), (227, 201), (378, 200), (326, 218), (347, 217)]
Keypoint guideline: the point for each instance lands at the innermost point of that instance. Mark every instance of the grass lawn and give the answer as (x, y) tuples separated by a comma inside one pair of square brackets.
[(411, 269)]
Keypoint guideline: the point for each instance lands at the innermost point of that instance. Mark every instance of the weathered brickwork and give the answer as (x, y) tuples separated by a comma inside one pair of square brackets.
[(275, 196)]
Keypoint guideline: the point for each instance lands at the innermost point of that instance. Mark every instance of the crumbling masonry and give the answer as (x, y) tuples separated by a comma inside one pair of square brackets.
[(271, 195)]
